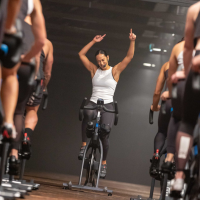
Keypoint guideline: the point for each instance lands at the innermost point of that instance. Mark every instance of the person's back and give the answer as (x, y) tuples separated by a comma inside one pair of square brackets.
[(33, 103)]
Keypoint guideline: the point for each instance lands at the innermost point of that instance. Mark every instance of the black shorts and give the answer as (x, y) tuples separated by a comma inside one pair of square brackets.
[(33, 100)]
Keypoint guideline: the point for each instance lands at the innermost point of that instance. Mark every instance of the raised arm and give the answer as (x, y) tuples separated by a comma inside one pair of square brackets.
[(159, 87), (189, 39), (122, 65), (39, 31), (48, 64), (82, 54)]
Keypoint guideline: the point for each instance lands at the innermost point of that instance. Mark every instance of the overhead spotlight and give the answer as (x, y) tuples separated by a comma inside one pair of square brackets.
[(153, 65), (147, 64), (165, 50), (156, 49), (173, 34)]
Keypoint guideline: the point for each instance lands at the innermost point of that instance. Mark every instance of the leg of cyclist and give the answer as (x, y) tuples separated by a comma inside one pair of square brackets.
[(89, 115), (107, 121)]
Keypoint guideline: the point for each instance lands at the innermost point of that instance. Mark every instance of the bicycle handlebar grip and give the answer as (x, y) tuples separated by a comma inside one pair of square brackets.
[(196, 81), (38, 87), (163, 107), (45, 95), (116, 114), (116, 107), (151, 116), (174, 91), (45, 100), (83, 103), (81, 109)]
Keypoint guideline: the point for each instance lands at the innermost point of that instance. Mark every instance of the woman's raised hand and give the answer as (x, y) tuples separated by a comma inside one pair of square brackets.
[(98, 38), (132, 36)]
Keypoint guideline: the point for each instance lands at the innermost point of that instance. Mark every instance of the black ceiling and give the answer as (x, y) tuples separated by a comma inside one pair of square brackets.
[(73, 23)]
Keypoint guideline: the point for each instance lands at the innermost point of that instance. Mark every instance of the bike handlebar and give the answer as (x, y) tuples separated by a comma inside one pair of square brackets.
[(151, 116), (96, 107), (45, 95)]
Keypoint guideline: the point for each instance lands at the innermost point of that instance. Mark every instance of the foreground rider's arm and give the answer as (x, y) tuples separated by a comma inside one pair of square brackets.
[(39, 31), (48, 64), (158, 89), (12, 11), (82, 54), (173, 65), (37, 62), (122, 65), (189, 40)]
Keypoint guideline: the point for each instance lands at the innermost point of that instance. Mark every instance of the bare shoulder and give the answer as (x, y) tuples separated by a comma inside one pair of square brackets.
[(166, 66), (178, 48), (49, 44), (37, 4), (114, 69), (193, 11)]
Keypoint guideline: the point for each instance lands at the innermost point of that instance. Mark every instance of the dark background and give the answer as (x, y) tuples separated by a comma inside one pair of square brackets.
[(71, 24)]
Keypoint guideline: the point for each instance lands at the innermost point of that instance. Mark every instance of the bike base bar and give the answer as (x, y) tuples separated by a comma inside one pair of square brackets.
[(82, 187)]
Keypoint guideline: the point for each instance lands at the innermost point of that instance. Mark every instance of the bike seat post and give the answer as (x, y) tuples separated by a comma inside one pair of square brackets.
[(3, 159)]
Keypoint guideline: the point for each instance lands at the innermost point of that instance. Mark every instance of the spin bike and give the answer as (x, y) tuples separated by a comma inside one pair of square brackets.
[(90, 164)]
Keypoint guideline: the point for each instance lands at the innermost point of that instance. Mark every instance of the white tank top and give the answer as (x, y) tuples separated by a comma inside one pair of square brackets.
[(180, 61), (104, 86), (30, 7)]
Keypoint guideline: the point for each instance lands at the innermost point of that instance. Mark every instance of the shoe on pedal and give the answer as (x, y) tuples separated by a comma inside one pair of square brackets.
[(26, 147), (154, 168), (13, 168), (80, 155), (177, 188), (103, 171), (8, 131)]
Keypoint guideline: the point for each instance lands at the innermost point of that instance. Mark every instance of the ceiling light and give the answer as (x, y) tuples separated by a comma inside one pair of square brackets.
[(156, 49), (147, 64), (173, 34), (153, 65), (165, 50)]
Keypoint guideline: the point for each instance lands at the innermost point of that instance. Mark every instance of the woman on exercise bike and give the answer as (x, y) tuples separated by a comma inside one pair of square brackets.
[(104, 81), (163, 119)]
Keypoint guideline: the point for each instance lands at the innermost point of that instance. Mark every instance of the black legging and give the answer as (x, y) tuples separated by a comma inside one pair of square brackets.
[(163, 121), (191, 106), (175, 118), (24, 92), (191, 109), (106, 118)]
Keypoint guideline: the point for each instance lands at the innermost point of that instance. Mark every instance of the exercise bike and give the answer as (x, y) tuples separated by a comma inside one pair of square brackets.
[(90, 164)]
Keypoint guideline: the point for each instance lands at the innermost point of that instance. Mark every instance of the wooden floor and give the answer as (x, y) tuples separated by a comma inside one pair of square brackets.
[(51, 188)]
